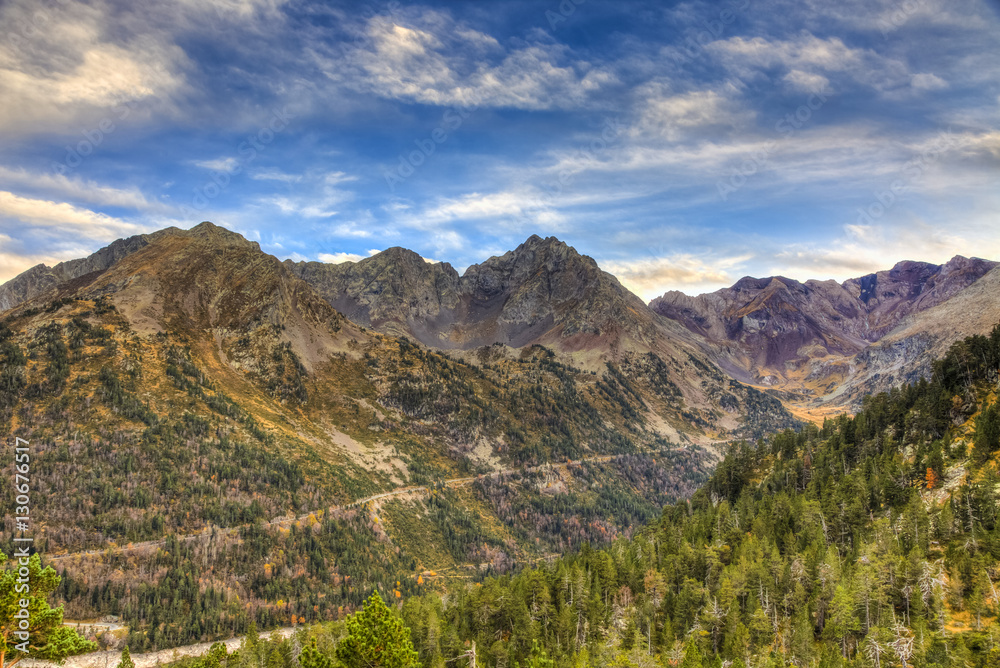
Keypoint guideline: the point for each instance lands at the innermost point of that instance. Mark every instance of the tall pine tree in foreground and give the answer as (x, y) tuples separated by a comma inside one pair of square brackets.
[(376, 638), (48, 638)]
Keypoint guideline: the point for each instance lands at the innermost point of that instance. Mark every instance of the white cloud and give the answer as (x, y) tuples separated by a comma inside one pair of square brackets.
[(78, 189), (62, 218), (356, 230), (676, 117), (431, 60), (512, 210), (275, 175), (866, 248), (297, 207), (334, 178), (339, 258), (810, 59), (217, 164), (807, 82), (651, 277), (928, 81), (66, 73)]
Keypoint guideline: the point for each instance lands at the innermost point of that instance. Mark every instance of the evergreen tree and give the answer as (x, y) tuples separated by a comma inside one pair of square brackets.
[(376, 637), (45, 636), (692, 655), (538, 658), (311, 657), (126, 660)]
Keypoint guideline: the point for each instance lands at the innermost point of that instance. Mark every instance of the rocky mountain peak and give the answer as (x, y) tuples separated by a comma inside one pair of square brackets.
[(781, 325), (212, 233), (42, 278)]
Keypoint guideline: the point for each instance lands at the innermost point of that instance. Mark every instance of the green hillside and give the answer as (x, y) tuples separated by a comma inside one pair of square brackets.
[(872, 541)]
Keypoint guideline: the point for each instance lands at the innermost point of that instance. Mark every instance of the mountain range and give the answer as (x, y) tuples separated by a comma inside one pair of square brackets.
[(813, 344), (206, 383), (191, 395), (813, 339)]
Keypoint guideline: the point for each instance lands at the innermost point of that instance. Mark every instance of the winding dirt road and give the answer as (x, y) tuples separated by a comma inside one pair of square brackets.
[(287, 521)]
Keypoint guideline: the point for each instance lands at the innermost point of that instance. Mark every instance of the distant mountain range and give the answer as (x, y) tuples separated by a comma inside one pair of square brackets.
[(809, 338), (817, 343)]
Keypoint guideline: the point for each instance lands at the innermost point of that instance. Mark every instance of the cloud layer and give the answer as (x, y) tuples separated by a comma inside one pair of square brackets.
[(683, 145)]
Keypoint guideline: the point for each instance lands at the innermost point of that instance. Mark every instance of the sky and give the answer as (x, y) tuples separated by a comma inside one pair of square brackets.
[(682, 145)]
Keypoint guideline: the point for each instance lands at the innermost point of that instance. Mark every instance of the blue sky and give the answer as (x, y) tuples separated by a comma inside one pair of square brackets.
[(682, 145)]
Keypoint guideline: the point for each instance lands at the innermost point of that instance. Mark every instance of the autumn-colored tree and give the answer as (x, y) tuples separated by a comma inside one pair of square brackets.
[(931, 479)]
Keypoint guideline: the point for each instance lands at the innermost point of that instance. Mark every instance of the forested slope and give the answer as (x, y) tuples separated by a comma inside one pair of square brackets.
[(872, 541)]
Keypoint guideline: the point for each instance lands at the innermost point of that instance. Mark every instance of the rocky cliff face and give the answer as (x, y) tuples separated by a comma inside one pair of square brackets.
[(541, 292), (40, 278), (905, 354), (911, 287), (781, 327), (395, 291)]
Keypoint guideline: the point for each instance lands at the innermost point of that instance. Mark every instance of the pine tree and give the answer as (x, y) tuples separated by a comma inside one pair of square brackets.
[(538, 658), (376, 637), (843, 621), (311, 657), (45, 636), (126, 660), (692, 655)]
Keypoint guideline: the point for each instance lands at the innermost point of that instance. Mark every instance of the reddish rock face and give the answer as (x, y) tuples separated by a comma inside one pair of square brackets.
[(777, 323)]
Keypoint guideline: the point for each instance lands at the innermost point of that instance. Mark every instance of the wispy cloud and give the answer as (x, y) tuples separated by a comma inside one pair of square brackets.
[(651, 277), (65, 69), (78, 189), (62, 218), (217, 164), (863, 249), (276, 175), (427, 58)]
